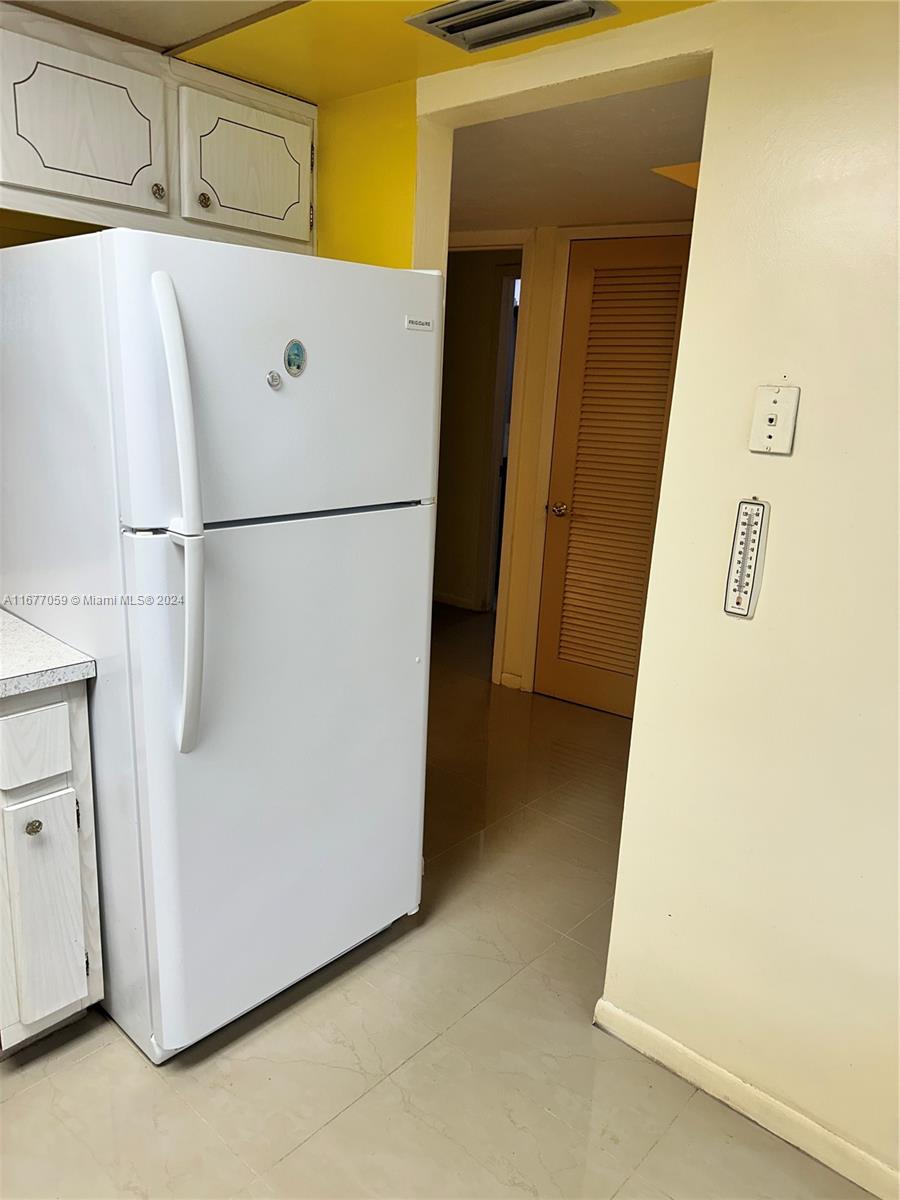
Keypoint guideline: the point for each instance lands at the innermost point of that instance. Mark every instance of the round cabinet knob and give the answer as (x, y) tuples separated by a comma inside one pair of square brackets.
[(204, 200), (559, 509), (33, 827), (273, 379), (158, 191)]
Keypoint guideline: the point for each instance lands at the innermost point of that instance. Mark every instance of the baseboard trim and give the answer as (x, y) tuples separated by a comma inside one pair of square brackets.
[(779, 1118), (511, 681)]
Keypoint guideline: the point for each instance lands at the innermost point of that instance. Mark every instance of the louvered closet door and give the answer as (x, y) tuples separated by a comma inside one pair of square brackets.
[(620, 338)]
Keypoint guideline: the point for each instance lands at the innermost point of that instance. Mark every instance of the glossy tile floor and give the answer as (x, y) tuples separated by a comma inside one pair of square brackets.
[(453, 1056)]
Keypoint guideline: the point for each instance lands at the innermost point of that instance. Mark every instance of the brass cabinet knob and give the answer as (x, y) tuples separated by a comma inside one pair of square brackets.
[(559, 509), (204, 200), (158, 191), (33, 827)]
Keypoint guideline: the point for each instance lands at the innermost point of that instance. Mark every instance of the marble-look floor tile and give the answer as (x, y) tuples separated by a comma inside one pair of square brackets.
[(535, 1036), (530, 862), (455, 808), (259, 1189), (552, 872), (30, 1065), (584, 737), (449, 964), (407, 1138), (594, 931), (383, 1147), (521, 1097), (110, 1125), (713, 1153), (265, 1086), (593, 807), (637, 1188)]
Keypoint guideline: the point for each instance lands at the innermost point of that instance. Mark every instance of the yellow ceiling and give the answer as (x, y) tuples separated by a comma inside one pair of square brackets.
[(327, 49)]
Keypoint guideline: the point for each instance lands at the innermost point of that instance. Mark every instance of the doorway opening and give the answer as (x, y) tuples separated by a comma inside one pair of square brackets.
[(543, 551), (480, 327)]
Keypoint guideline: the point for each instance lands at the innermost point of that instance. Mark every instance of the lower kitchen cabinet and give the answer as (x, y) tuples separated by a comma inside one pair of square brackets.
[(51, 966)]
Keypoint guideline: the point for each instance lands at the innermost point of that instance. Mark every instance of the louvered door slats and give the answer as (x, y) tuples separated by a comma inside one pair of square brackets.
[(623, 311)]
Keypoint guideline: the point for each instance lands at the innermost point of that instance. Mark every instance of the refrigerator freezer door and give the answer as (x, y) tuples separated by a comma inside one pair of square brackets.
[(356, 426), (293, 830)]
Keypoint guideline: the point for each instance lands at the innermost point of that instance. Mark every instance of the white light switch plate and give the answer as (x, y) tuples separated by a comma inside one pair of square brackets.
[(774, 419)]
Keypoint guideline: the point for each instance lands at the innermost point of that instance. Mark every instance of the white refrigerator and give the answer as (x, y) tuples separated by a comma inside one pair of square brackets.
[(219, 469)]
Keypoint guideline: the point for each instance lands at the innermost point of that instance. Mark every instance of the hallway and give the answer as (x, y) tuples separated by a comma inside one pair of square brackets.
[(493, 751)]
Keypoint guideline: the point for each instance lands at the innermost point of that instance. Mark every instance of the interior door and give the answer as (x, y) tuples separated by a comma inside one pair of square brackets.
[(620, 341), (293, 830)]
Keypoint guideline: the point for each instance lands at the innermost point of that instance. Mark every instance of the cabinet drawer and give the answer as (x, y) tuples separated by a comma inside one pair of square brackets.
[(44, 880), (34, 745), (79, 126), (243, 167)]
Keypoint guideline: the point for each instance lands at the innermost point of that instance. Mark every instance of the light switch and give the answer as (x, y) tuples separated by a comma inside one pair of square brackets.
[(774, 418)]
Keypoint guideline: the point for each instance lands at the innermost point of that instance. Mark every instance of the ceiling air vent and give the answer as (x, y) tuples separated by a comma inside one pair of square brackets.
[(481, 24)]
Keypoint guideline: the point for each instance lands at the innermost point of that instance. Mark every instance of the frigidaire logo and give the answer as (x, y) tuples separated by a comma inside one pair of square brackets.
[(418, 323)]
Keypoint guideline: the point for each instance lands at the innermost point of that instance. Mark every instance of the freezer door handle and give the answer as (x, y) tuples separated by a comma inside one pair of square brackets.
[(191, 519), (194, 617)]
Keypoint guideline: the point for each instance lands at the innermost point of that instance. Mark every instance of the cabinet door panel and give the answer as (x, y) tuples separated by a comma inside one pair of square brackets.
[(243, 167), (79, 126), (44, 879)]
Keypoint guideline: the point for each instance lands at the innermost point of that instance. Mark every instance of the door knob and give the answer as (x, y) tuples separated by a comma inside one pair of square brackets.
[(33, 827), (204, 200), (559, 509), (158, 191)]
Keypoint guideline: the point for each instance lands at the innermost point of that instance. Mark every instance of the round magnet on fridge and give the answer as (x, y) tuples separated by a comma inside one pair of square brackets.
[(295, 357)]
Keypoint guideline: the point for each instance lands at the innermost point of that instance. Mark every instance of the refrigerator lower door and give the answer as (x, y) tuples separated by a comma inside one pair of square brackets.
[(293, 829)]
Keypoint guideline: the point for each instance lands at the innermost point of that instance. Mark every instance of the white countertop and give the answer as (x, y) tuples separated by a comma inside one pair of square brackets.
[(31, 659)]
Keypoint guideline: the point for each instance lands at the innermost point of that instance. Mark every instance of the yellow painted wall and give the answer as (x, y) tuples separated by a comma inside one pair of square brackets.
[(367, 176)]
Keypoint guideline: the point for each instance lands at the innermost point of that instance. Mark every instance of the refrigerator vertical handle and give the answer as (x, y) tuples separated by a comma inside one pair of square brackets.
[(194, 617), (191, 519)]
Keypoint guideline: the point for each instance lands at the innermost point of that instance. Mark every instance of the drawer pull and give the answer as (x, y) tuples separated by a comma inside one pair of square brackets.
[(34, 826)]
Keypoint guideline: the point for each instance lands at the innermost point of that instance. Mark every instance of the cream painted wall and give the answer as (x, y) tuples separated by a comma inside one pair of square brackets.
[(754, 940)]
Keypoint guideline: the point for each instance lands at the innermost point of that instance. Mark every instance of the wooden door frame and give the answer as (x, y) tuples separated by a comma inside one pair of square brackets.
[(658, 53), (545, 268)]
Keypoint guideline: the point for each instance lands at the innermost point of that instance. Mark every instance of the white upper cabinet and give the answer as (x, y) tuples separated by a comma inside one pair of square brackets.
[(80, 126), (243, 167)]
